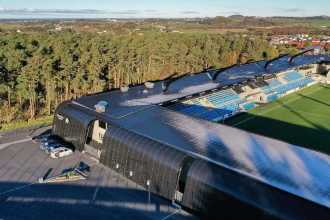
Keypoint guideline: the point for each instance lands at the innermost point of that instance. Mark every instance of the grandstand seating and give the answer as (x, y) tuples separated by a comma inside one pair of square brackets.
[(272, 97), (214, 106), (248, 106), (294, 80), (221, 104), (272, 84), (292, 76)]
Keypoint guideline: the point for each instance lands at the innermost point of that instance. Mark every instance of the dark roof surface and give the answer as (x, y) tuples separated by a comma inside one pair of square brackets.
[(290, 168), (285, 166)]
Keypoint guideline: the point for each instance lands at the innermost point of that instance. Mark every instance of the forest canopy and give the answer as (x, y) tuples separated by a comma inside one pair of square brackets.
[(40, 70)]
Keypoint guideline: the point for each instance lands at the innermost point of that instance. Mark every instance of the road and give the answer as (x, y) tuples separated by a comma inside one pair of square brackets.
[(5, 145)]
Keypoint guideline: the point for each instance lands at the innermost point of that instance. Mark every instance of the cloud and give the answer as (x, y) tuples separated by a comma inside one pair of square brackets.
[(52, 11), (190, 12), (233, 13), (126, 12), (292, 10), (150, 11), (89, 12), (68, 11)]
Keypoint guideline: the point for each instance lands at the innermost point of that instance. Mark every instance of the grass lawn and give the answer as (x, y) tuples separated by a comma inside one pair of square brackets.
[(302, 118), (42, 121)]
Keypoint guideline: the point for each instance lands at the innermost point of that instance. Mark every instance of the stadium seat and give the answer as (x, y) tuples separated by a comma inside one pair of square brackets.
[(294, 81), (218, 105), (221, 104), (248, 106), (293, 76)]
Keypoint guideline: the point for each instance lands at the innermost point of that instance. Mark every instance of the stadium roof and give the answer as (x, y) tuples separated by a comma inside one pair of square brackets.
[(282, 165), (138, 98), (285, 166)]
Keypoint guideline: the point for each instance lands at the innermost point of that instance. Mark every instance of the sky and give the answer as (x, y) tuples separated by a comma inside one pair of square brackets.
[(159, 8)]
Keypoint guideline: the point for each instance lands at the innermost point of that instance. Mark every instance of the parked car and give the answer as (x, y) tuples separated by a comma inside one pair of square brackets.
[(49, 141), (49, 148), (60, 152), (41, 137), (50, 138), (45, 145)]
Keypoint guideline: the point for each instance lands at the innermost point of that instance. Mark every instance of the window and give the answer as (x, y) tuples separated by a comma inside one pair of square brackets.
[(60, 117), (102, 125), (99, 129), (101, 136)]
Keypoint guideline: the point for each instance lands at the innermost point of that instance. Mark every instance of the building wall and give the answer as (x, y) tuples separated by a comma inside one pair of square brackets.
[(71, 124), (210, 187), (313, 69), (135, 157), (138, 158), (143, 160)]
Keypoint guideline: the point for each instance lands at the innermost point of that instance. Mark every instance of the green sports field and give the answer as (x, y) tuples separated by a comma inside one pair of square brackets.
[(301, 118)]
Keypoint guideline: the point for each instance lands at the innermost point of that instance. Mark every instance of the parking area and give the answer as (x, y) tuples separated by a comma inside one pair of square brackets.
[(103, 195)]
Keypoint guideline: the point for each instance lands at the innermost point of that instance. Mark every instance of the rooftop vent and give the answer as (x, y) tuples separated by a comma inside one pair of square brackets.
[(149, 85), (101, 106), (124, 89)]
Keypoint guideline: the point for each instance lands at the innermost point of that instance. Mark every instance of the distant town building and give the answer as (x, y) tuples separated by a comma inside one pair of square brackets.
[(58, 28), (302, 41)]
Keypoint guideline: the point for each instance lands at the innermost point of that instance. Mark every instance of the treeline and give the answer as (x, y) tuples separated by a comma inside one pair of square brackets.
[(40, 70), (239, 21), (296, 23)]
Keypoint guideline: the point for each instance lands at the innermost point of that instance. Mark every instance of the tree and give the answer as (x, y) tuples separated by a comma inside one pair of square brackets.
[(27, 83), (40, 70)]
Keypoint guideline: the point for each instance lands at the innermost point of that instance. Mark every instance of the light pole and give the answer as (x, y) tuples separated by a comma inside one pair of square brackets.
[(148, 186), (117, 173)]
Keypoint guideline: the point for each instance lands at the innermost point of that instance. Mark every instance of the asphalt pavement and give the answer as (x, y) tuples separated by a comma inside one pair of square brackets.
[(104, 195)]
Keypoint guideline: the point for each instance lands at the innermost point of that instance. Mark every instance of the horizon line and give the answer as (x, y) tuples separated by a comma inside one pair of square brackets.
[(128, 14)]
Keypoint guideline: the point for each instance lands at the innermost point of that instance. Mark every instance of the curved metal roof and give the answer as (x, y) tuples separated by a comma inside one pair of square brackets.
[(287, 167), (290, 168)]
